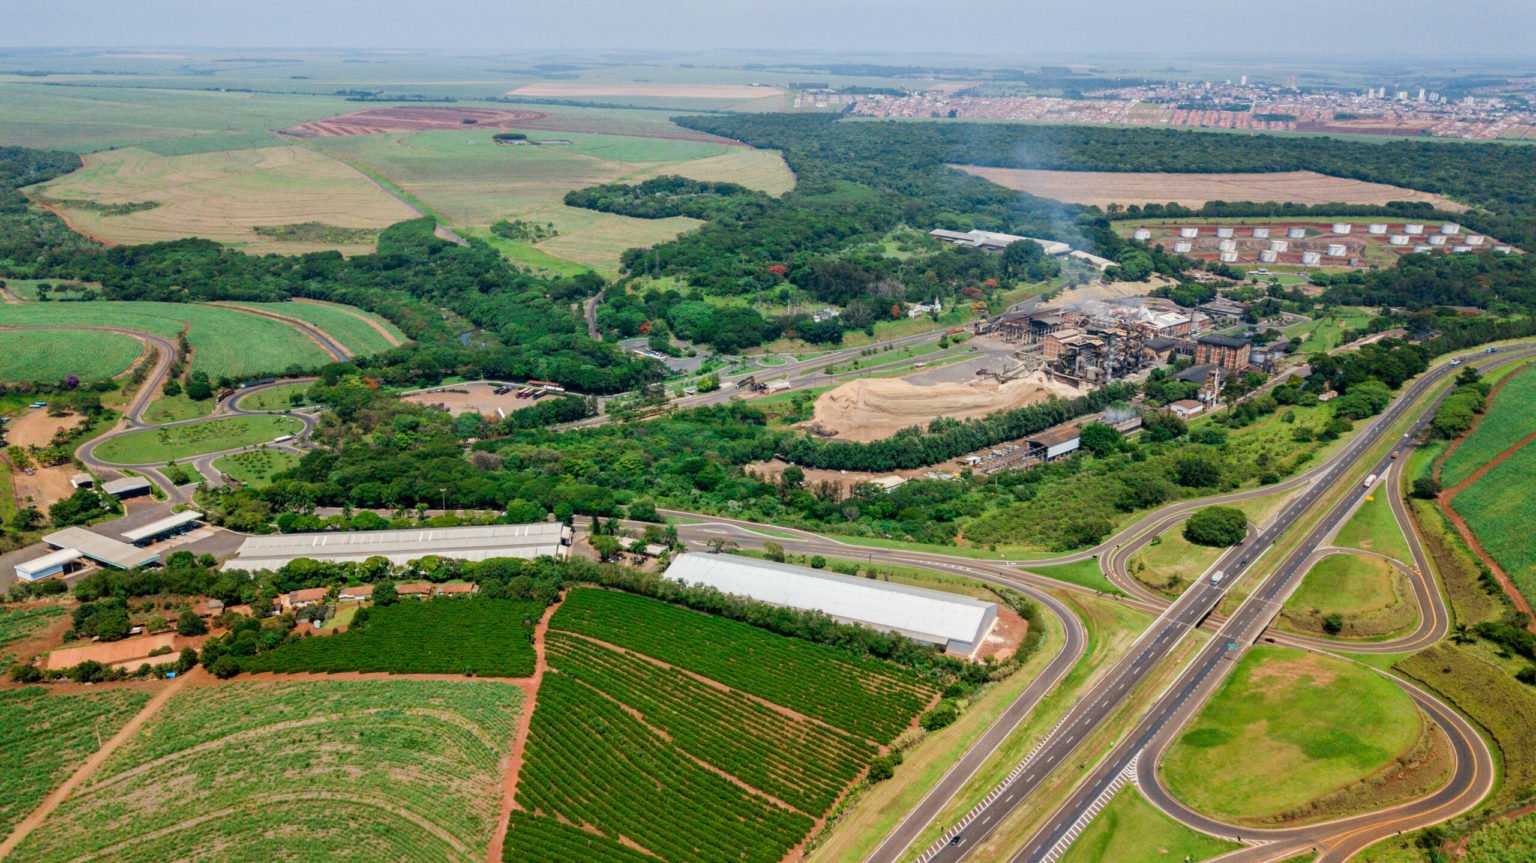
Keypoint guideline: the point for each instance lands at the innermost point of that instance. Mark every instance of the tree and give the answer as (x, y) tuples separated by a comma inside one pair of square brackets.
[(606, 545), (225, 667), (719, 544), (818, 562), (1426, 488), (773, 551), (190, 624), (385, 594), (1195, 472), (1333, 624), (27, 519), (1098, 438), (792, 477), (1216, 526), (198, 388)]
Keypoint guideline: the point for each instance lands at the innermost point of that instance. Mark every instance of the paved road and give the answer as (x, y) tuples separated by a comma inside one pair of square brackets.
[(1244, 628)]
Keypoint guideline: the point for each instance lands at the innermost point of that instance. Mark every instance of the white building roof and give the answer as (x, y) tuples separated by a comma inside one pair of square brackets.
[(544, 539), (102, 549), (29, 570), (125, 485), (995, 239), (155, 528), (955, 622)]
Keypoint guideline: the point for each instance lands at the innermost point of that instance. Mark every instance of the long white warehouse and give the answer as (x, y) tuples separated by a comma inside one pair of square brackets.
[(544, 539), (956, 623)]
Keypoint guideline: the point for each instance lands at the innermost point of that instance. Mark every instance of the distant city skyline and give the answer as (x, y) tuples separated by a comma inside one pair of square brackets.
[(1318, 29)]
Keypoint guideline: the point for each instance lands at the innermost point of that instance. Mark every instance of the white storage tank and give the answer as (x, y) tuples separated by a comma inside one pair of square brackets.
[(1279, 245), (1182, 248), (1457, 250), (1413, 230), (1475, 239), (1229, 257), (1342, 227), (1189, 233), (1311, 258), (1227, 245), (1450, 229), (1296, 233), (1261, 233), (1378, 229), (1224, 232), (1398, 239), (1141, 234), (1337, 250), (1422, 248), (1268, 257), (1437, 240), (1503, 250)]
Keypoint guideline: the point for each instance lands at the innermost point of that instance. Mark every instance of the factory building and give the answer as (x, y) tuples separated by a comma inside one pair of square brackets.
[(1224, 351), (957, 624), (543, 539), (993, 241)]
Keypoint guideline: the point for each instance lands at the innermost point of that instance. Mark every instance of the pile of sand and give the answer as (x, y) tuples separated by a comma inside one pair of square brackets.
[(875, 408)]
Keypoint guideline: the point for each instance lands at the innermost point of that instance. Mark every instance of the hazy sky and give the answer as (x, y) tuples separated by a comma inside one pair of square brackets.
[(1344, 29)]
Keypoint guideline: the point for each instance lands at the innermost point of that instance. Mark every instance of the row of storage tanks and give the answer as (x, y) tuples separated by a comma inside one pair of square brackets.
[(1227, 244)]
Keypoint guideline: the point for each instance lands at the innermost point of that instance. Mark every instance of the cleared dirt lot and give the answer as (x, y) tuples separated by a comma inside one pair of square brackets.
[(377, 121), (1101, 188), (875, 408), (480, 398)]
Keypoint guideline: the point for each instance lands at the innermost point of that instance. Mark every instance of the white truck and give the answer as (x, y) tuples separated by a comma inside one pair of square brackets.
[(1370, 481), (1217, 576)]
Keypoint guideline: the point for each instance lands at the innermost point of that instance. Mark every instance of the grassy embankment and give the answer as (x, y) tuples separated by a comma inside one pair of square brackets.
[(157, 446)]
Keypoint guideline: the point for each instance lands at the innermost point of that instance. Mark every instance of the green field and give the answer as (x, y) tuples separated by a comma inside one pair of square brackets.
[(45, 736), (48, 356), (473, 182), (345, 327), (1371, 597), (1287, 730), (1374, 528), (1506, 421), (18, 622), (1327, 332), (224, 342), (256, 467), (170, 409), (1510, 840), (473, 637), (1085, 573), (1173, 563), (684, 759), (1497, 508), (276, 398), (158, 446), (1130, 828), (321, 770)]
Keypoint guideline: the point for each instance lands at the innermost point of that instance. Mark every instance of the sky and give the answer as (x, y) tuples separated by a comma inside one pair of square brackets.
[(1341, 29)]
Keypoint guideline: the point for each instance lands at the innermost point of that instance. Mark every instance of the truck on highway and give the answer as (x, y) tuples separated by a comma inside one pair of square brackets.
[(1370, 481), (1217, 576)]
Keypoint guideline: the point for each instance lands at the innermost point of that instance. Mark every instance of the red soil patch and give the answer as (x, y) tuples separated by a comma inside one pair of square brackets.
[(377, 121)]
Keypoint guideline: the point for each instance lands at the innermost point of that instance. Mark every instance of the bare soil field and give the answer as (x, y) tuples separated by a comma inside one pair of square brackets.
[(569, 89), (222, 196), (874, 408), (46, 485), (37, 428), (1102, 291), (127, 650), (1101, 188), (377, 121), (480, 398)]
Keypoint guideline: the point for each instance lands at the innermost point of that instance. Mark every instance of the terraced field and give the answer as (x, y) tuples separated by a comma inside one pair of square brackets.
[(692, 737), (45, 736), (328, 770), (51, 355), (225, 342)]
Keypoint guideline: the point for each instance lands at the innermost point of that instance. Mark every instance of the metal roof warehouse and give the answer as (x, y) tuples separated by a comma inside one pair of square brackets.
[(544, 539), (956, 623)]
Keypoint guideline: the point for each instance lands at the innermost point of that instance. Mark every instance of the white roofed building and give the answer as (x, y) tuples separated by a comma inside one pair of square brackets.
[(955, 623), (542, 539)]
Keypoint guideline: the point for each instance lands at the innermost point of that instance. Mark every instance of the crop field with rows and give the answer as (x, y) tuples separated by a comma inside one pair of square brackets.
[(548, 841), (591, 762), (1506, 421), (45, 736), (1497, 508), (477, 637), (17, 623), (350, 327), (51, 355), (317, 771), (867, 697), (801, 762)]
